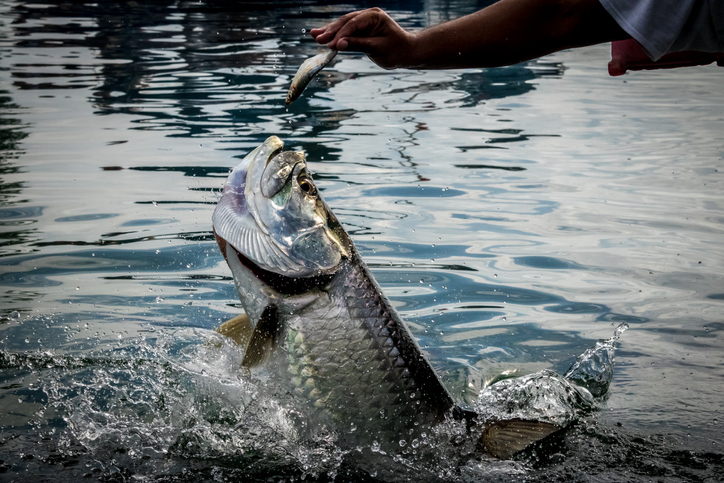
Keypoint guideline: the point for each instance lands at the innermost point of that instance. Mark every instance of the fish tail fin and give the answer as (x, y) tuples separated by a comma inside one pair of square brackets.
[(503, 439)]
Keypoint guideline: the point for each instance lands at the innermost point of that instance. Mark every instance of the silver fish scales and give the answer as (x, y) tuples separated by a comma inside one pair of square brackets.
[(358, 355)]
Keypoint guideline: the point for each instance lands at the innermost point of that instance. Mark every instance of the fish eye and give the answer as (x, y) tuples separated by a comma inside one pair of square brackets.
[(307, 186)]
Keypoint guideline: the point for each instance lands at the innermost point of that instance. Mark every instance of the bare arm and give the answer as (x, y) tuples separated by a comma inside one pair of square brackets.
[(504, 33)]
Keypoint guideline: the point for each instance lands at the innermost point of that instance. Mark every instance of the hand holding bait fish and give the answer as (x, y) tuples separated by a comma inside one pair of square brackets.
[(306, 73)]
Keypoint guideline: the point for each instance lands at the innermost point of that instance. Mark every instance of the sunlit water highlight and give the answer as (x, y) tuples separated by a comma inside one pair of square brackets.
[(514, 216)]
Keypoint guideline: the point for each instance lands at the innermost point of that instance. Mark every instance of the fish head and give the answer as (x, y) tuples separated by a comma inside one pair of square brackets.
[(272, 214)]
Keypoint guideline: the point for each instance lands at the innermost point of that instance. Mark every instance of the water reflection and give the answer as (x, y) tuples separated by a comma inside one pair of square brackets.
[(18, 219), (214, 68), (510, 214)]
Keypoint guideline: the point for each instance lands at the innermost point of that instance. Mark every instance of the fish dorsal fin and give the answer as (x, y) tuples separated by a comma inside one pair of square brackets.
[(502, 439), (259, 342)]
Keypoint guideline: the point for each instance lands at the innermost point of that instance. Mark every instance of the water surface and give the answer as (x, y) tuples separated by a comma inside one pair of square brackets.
[(514, 216)]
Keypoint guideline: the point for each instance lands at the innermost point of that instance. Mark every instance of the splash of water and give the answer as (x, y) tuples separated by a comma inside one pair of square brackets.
[(594, 368), (548, 397), (181, 400)]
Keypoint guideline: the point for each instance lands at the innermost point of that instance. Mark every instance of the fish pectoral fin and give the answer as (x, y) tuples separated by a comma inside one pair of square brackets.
[(239, 329), (502, 439), (258, 341), (264, 338)]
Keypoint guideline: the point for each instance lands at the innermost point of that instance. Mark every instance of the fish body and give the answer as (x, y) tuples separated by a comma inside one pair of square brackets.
[(344, 349), (306, 73), (318, 319)]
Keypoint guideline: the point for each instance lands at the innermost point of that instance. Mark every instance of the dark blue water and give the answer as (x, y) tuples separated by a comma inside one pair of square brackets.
[(514, 216)]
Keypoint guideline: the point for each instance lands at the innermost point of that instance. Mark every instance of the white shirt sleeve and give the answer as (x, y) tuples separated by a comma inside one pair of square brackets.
[(663, 26)]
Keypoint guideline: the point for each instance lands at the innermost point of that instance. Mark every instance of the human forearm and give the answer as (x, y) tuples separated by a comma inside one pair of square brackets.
[(504, 33), (512, 31)]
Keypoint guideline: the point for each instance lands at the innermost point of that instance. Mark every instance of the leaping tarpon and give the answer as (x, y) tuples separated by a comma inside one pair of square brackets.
[(315, 313)]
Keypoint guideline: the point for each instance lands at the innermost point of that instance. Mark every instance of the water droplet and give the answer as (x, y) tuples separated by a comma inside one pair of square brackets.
[(415, 443), (403, 443), (77, 288), (375, 447), (304, 31)]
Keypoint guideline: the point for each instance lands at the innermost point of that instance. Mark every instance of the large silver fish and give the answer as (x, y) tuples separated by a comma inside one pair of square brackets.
[(315, 313)]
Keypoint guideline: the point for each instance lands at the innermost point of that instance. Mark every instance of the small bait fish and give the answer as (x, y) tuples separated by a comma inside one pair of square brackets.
[(306, 73)]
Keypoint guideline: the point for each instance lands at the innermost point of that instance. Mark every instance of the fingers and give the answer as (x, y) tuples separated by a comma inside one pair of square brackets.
[(362, 24), (357, 44), (326, 33), (370, 31)]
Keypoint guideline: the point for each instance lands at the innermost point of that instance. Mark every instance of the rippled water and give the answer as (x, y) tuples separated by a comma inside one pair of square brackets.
[(514, 216)]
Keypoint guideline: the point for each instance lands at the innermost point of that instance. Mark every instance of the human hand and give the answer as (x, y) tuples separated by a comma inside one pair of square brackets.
[(373, 32)]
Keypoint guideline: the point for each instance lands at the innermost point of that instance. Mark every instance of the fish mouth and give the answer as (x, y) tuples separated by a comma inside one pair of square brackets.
[(274, 154), (269, 150), (269, 171)]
